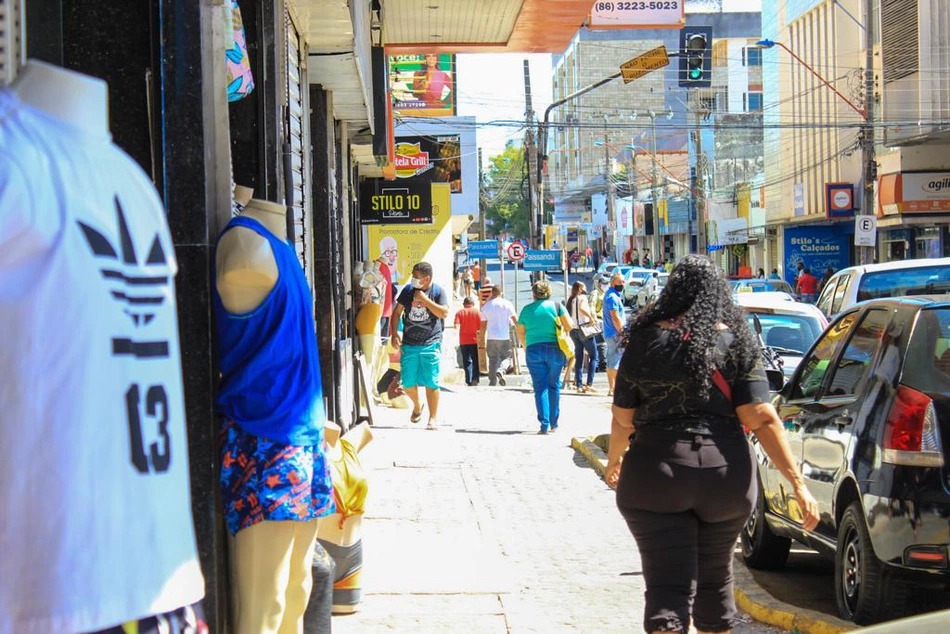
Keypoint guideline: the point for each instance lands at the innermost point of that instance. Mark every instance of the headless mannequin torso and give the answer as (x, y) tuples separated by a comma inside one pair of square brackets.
[(245, 264), (76, 99)]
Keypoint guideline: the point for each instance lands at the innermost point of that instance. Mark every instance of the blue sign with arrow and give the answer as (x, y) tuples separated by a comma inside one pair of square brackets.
[(483, 249)]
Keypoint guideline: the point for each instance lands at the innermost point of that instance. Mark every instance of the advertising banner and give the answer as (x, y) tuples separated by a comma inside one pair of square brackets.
[(817, 248), (839, 200), (384, 202), (403, 246), (423, 85), (654, 14), (434, 159)]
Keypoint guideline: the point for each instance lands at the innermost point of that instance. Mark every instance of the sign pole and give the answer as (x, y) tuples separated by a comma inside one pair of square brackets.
[(516, 285), (564, 270), (501, 261)]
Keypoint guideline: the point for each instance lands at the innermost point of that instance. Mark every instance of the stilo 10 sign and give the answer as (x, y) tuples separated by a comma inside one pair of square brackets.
[(385, 203)]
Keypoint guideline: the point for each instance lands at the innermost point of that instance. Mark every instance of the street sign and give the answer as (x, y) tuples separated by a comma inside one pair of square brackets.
[(516, 252), (643, 64), (542, 260), (865, 231), (483, 249)]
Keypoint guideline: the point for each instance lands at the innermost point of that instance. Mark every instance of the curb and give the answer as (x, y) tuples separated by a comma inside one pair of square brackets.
[(750, 596)]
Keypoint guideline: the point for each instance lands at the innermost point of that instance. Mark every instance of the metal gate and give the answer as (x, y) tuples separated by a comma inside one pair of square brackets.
[(10, 39), (296, 140)]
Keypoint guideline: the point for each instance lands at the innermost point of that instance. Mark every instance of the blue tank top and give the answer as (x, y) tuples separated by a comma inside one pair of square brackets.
[(271, 385)]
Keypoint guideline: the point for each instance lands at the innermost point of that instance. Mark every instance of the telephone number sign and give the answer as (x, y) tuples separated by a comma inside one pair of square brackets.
[(638, 14)]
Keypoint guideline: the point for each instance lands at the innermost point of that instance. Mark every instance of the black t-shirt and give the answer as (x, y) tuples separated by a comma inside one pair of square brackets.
[(419, 326), (654, 379)]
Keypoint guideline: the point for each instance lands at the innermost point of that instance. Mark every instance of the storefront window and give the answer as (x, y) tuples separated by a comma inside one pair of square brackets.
[(928, 242)]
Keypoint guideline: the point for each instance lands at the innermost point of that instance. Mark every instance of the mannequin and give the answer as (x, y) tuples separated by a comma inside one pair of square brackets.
[(275, 480), (341, 533), (367, 318), (79, 100), (89, 210)]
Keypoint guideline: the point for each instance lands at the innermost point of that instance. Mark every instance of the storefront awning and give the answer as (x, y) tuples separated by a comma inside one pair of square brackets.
[(461, 223)]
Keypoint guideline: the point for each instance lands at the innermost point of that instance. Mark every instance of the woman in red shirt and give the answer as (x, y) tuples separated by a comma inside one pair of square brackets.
[(468, 321)]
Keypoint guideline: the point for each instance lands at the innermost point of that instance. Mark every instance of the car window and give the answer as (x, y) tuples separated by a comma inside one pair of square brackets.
[(815, 365), (777, 286), (927, 362), (852, 368), (920, 280), (839, 293), (824, 302), (792, 333)]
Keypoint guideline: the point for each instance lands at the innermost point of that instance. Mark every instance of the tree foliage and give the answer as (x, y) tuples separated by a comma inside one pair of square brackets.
[(505, 194)]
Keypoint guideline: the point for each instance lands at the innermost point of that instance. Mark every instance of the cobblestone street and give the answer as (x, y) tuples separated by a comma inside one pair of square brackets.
[(485, 526)]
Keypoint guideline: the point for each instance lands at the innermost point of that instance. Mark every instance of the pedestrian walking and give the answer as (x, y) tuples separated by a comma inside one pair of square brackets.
[(613, 328), (583, 315), (469, 321), (468, 282), (825, 279), (484, 293), (774, 275), (477, 276), (807, 287), (498, 315), (538, 332), (691, 373), (422, 307)]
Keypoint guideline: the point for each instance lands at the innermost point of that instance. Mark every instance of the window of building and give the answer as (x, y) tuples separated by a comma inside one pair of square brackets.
[(751, 57), (752, 102)]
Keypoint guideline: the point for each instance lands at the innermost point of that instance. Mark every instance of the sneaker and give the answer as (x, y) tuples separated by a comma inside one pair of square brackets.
[(553, 428), (417, 416), (500, 378), (543, 432)]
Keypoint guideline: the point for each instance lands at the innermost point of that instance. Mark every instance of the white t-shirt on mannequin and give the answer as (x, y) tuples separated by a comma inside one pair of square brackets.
[(95, 510)]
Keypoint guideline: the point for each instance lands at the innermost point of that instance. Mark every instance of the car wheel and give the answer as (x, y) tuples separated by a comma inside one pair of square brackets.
[(864, 590), (761, 548)]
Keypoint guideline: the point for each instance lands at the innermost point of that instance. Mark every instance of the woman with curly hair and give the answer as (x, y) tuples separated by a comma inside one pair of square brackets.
[(690, 374)]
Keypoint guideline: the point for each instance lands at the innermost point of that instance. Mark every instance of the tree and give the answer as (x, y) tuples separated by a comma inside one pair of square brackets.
[(505, 193)]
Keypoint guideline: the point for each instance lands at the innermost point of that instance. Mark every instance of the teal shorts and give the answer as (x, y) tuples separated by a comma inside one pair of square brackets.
[(420, 365)]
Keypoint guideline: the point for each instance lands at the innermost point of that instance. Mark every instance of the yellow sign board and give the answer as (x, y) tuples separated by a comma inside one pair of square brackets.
[(642, 64)]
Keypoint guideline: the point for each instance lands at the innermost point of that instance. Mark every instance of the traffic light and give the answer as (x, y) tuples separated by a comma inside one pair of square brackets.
[(695, 57)]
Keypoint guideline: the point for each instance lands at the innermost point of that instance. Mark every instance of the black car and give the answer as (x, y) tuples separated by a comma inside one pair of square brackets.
[(867, 414)]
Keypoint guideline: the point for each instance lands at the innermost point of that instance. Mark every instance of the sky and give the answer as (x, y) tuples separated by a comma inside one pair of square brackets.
[(491, 86)]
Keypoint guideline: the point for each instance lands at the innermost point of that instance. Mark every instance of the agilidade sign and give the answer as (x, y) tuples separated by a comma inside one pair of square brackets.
[(384, 202)]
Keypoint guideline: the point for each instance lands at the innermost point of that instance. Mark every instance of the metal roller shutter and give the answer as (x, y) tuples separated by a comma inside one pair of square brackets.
[(10, 45), (298, 138)]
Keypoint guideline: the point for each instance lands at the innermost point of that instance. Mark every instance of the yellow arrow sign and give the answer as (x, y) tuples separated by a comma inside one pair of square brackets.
[(643, 64)]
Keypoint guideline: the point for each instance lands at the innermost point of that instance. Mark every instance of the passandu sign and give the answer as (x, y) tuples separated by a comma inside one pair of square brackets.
[(387, 203)]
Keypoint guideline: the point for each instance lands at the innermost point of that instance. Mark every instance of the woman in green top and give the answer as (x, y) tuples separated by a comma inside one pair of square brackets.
[(537, 331)]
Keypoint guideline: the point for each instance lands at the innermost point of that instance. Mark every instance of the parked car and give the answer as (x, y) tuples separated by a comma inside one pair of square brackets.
[(634, 276), (756, 285), (855, 284), (644, 297), (788, 327), (867, 414), (604, 271)]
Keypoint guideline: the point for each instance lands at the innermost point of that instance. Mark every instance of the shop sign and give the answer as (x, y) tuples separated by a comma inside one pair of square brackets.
[(423, 85), (865, 231), (839, 200), (798, 193), (817, 248), (915, 192), (383, 202), (434, 159), (732, 231), (655, 14)]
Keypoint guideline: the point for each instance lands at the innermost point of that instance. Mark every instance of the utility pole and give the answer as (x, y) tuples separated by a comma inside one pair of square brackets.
[(534, 220), (866, 254), (481, 210), (656, 211), (700, 193), (611, 190)]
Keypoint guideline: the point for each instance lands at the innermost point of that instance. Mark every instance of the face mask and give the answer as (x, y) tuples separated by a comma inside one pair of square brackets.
[(618, 287), (416, 283)]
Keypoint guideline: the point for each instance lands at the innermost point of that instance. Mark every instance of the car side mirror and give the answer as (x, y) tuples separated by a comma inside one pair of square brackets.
[(776, 380)]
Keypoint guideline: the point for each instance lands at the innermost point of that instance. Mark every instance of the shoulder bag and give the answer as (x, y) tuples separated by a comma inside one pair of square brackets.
[(591, 328), (564, 341)]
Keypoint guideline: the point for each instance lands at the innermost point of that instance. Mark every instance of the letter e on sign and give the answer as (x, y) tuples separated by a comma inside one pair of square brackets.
[(516, 252), (865, 231)]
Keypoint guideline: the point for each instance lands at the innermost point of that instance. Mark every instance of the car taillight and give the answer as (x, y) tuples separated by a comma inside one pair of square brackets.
[(911, 433)]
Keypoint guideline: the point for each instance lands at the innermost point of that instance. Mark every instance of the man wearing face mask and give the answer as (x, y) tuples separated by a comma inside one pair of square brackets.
[(423, 307), (613, 327)]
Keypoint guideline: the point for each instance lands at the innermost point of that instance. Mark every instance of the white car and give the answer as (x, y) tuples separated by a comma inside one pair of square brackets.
[(788, 327), (633, 279), (644, 297), (891, 279)]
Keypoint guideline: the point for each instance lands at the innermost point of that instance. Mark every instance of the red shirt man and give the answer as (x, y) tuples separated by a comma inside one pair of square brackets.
[(468, 321), (807, 285)]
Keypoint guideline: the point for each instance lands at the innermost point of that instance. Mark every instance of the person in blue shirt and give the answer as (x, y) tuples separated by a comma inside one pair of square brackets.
[(774, 275), (613, 328)]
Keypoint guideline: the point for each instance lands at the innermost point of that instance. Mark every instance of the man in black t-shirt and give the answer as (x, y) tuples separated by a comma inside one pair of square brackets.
[(423, 307)]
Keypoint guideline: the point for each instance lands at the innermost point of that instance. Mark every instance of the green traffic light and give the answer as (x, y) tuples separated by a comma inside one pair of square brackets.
[(695, 73)]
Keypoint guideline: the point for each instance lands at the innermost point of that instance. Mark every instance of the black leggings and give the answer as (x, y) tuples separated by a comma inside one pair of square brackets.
[(685, 499)]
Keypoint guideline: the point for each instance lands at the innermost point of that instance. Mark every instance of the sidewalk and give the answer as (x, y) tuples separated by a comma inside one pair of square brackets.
[(485, 526)]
